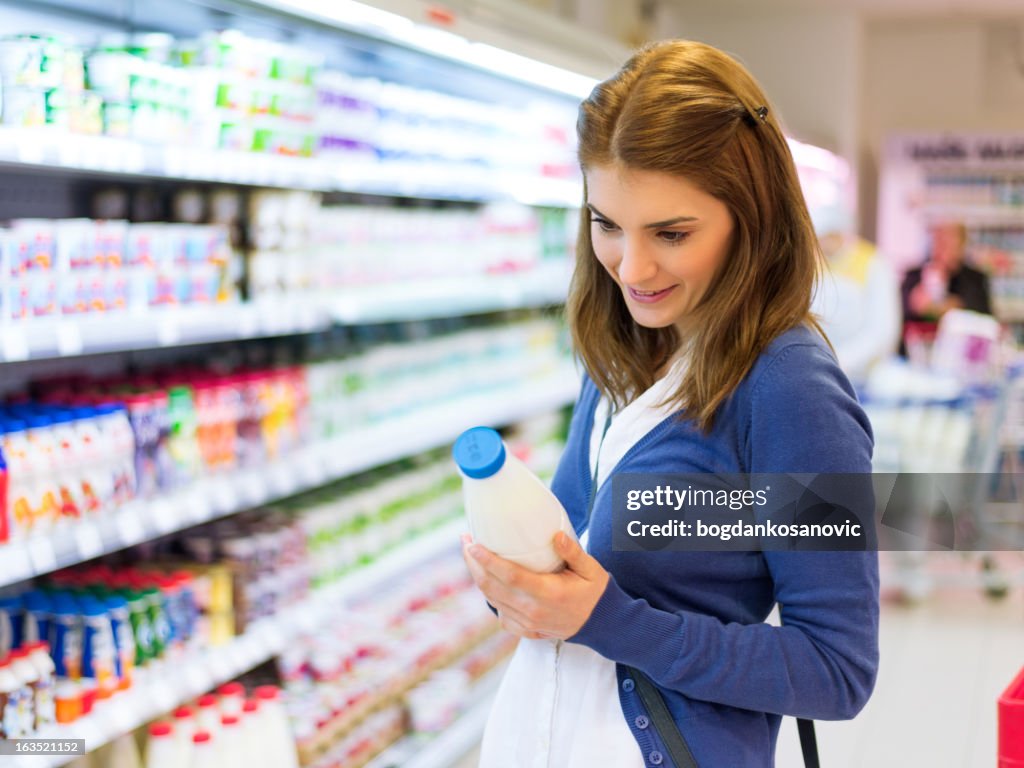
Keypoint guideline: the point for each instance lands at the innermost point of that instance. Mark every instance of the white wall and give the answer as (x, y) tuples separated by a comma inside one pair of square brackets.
[(807, 62), (955, 73)]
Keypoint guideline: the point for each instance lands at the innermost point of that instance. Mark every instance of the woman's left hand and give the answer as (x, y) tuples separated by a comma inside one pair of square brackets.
[(539, 605)]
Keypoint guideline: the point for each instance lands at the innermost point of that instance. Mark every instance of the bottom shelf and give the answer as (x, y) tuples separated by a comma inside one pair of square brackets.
[(445, 749)]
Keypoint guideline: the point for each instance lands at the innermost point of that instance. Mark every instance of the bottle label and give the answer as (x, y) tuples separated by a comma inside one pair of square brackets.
[(11, 718), (46, 708)]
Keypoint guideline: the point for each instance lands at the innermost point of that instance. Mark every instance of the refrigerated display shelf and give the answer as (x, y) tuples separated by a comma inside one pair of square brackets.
[(71, 336), (176, 682), (54, 150), (309, 467), (451, 745), (538, 286)]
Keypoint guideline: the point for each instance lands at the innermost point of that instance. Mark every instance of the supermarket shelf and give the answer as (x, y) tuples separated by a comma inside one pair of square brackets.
[(178, 681), (452, 744), (49, 149), (546, 284), (69, 336), (995, 215), (54, 149), (310, 467)]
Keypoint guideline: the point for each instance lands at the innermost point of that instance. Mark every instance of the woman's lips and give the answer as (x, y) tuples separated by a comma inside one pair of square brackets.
[(649, 297)]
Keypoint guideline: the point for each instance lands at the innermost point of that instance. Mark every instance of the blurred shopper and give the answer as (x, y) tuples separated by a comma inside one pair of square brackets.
[(690, 312), (943, 282), (857, 299)]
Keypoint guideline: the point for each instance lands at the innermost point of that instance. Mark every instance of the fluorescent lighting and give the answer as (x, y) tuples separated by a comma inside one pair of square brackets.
[(530, 70), (362, 18), (344, 13), (810, 156)]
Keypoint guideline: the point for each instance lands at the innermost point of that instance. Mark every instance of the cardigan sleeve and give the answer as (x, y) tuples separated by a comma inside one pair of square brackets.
[(822, 663)]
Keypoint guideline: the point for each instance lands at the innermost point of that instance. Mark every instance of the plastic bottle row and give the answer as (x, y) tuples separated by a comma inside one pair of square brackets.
[(300, 250), (224, 730), (226, 90), (380, 651), (74, 267), (108, 625), (80, 447), (975, 190), (98, 628), (302, 247)]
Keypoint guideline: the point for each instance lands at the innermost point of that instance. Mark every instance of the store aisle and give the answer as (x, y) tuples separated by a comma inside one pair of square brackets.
[(944, 664)]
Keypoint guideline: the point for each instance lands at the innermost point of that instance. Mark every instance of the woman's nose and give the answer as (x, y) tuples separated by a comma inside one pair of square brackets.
[(637, 265)]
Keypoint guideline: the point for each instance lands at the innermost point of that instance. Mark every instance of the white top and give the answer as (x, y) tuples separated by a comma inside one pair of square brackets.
[(858, 301), (558, 704)]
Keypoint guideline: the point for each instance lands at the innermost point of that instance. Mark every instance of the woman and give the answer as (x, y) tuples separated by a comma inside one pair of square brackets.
[(689, 308)]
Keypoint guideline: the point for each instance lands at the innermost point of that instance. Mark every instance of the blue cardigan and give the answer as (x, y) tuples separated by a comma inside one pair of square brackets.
[(694, 622)]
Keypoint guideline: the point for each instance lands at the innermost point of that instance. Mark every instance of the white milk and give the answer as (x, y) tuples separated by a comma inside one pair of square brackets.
[(162, 747), (510, 510)]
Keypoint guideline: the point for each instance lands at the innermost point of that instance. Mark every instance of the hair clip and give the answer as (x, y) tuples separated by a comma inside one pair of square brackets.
[(762, 114)]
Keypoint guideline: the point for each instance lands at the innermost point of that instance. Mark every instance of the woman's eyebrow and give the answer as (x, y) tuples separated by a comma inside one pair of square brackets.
[(654, 225)]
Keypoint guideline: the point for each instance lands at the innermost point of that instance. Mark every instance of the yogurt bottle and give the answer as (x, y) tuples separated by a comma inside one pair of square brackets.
[(28, 678), (204, 751), (124, 639), (10, 724), (162, 747), (11, 624), (98, 649), (46, 711), (509, 509), (278, 738), (184, 727), (37, 616)]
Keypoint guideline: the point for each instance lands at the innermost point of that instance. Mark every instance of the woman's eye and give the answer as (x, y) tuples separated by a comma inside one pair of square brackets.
[(673, 237), (604, 224)]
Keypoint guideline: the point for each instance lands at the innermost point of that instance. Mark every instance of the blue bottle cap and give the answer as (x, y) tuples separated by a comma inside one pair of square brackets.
[(37, 600), (479, 452)]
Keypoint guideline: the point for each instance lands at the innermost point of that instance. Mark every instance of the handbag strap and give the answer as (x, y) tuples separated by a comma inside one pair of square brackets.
[(808, 742), (661, 719), (674, 740)]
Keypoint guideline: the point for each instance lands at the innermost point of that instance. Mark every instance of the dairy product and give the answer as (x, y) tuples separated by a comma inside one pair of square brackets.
[(510, 511)]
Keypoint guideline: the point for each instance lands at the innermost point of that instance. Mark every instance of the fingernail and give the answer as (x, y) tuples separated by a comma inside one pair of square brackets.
[(476, 550)]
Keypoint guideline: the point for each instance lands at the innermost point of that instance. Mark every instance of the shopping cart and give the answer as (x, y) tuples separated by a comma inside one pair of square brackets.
[(951, 443), (1011, 724)]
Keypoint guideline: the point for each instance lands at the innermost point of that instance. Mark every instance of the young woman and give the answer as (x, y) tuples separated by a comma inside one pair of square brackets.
[(689, 309)]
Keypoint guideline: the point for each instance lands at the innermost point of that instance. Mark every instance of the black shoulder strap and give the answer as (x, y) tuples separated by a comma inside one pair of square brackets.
[(808, 742), (662, 720), (674, 740)]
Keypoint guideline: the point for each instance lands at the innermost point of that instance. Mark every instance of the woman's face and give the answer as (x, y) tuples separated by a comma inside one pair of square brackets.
[(660, 238)]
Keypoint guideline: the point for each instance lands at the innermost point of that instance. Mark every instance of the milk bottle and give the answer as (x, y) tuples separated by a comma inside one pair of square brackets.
[(510, 511)]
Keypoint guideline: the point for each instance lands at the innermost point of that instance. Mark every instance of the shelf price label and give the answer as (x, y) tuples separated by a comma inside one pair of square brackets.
[(168, 332), (196, 502), (15, 344), (69, 340), (165, 514), (42, 554), (222, 495), (15, 564), (196, 679), (88, 540), (130, 529)]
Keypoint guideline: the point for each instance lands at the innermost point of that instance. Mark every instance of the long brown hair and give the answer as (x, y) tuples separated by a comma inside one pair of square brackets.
[(689, 109)]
